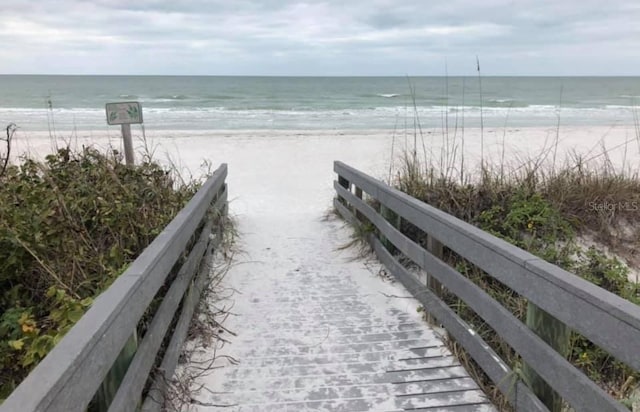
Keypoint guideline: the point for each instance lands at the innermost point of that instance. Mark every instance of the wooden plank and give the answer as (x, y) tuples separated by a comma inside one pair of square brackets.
[(463, 408), (443, 400), (69, 376), (109, 387), (359, 196), (155, 397), (557, 335), (220, 205), (436, 249), (609, 321), (571, 383), (387, 214), (128, 144), (518, 393), (420, 387), (347, 215), (129, 393)]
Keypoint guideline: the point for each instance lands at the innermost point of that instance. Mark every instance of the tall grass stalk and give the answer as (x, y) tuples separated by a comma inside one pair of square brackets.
[(416, 118), (555, 151), (636, 121), (462, 138), (51, 122), (504, 136), (445, 117), (481, 113), (4, 159), (393, 144)]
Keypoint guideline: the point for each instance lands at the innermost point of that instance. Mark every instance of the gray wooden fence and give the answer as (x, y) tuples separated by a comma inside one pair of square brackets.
[(71, 374), (607, 320)]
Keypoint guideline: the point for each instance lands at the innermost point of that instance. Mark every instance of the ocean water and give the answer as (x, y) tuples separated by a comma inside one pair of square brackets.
[(39, 103)]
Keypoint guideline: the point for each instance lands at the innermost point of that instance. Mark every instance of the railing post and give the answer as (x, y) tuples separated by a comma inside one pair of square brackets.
[(557, 335), (392, 218), (111, 383), (359, 215), (436, 249), (128, 144)]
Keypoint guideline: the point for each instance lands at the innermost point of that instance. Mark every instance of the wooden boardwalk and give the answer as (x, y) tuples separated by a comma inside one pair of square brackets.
[(326, 332), (318, 327)]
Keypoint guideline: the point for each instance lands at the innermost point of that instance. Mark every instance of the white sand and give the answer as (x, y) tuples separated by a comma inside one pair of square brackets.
[(235, 146)]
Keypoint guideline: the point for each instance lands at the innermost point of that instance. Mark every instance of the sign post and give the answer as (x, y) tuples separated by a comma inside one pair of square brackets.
[(124, 114)]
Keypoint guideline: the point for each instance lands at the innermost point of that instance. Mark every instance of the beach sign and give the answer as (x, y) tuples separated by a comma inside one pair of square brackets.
[(124, 113)]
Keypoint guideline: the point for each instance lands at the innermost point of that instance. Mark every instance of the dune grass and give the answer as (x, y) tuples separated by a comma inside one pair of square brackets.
[(547, 210)]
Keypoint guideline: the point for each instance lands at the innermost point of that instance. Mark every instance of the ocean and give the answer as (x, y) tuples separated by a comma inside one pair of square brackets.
[(63, 103)]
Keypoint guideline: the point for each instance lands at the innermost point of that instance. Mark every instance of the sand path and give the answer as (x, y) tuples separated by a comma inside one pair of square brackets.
[(317, 327)]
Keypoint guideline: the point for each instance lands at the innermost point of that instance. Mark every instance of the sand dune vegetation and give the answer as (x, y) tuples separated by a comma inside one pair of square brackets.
[(580, 213), (69, 225)]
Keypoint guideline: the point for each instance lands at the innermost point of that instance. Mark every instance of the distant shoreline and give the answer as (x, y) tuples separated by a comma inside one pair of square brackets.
[(519, 142), (396, 76)]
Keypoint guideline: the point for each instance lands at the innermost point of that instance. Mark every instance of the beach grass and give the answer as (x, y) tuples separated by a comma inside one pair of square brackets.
[(582, 214), (577, 209)]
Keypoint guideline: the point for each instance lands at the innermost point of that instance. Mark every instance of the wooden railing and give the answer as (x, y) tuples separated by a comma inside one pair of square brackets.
[(605, 319), (76, 369)]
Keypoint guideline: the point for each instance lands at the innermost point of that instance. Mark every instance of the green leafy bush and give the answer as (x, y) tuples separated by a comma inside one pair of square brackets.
[(69, 225)]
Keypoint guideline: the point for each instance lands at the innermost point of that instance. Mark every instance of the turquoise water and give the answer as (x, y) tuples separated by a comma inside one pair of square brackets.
[(191, 102)]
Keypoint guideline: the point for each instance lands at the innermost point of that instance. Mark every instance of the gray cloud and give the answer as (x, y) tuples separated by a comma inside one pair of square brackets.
[(374, 37)]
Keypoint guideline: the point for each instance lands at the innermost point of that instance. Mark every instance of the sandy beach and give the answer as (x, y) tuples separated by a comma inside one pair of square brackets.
[(371, 150)]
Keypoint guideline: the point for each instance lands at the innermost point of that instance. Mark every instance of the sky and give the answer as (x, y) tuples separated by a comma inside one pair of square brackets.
[(320, 38)]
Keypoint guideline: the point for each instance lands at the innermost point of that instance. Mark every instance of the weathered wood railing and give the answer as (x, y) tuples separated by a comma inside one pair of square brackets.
[(69, 377), (602, 317)]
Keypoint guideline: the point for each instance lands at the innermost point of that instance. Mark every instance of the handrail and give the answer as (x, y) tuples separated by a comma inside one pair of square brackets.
[(69, 376), (609, 321)]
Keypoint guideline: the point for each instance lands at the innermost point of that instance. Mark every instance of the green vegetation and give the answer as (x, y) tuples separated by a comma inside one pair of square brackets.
[(546, 212), (69, 225)]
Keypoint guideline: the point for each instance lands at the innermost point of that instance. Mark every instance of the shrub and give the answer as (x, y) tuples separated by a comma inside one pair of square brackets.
[(542, 212), (69, 225)]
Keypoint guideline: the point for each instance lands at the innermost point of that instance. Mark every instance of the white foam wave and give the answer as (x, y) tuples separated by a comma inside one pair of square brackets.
[(356, 118), (157, 100)]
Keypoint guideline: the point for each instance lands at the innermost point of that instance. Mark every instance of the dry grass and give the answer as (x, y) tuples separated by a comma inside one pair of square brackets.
[(544, 210), (594, 196)]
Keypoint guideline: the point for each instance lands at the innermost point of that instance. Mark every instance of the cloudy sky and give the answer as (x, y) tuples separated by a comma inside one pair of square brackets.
[(333, 37)]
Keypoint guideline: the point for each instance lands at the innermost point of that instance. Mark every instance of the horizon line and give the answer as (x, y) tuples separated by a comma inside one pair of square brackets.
[(314, 76)]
